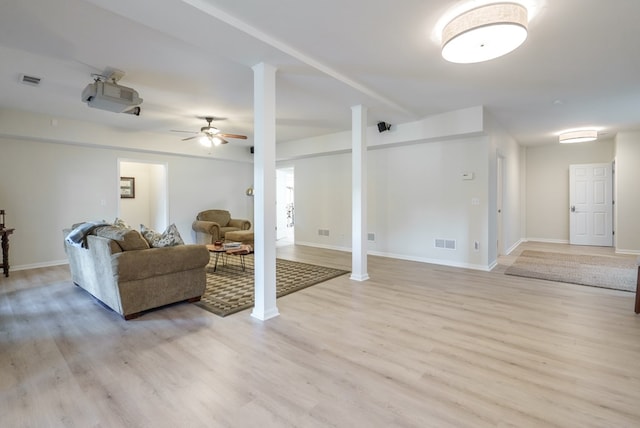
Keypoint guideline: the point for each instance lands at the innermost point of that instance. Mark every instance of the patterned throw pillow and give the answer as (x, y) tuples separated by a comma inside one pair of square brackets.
[(169, 238), (121, 224)]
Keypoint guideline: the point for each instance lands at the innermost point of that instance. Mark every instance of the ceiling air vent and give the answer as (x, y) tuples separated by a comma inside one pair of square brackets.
[(30, 80)]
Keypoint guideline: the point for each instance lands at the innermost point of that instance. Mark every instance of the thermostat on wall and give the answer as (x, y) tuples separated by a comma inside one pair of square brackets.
[(467, 175)]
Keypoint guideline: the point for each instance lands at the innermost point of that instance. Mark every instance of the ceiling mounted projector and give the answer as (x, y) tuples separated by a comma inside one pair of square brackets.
[(110, 96)]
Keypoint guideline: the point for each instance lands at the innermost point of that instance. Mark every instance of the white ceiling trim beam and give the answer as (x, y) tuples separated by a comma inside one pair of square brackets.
[(206, 7)]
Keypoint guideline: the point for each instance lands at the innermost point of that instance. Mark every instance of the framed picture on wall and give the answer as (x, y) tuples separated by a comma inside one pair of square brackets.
[(127, 187)]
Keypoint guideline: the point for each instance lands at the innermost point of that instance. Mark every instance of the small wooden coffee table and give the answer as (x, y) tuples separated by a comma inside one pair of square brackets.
[(241, 251)]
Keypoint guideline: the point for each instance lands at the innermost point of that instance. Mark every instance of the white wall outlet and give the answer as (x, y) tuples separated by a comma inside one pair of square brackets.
[(475, 201)]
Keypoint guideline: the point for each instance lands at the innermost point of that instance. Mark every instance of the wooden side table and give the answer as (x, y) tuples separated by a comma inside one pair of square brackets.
[(637, 310), (217, 249), (4, 233), (241, 251)]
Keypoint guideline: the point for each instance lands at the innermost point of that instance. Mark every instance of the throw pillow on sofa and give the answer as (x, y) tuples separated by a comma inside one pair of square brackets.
[(118, 222), (169, 238)]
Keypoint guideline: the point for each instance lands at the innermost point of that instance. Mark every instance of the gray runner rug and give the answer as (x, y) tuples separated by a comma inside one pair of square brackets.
[(615, 272)]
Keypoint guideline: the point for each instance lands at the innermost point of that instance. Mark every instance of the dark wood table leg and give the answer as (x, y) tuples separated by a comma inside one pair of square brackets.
[(5, 254), (638, 292)]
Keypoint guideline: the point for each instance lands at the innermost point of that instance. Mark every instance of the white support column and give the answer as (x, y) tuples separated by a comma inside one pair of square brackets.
[(359, 193), (264, 176)]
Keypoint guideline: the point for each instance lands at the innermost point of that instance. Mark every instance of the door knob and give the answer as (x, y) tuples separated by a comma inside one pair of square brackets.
[(573, 208)]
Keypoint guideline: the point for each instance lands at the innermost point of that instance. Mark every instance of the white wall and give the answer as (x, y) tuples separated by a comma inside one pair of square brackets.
[(158, 205), (416, 194), (416, 191), (323, 200), (627, 206), (45, 187), (548, 185)]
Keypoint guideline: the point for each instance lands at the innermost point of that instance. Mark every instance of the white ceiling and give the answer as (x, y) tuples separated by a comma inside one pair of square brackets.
[(579, 66)]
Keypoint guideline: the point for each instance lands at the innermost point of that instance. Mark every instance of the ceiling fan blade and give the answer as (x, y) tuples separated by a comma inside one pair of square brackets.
[(242, 137), (189, 138), (188, 132)]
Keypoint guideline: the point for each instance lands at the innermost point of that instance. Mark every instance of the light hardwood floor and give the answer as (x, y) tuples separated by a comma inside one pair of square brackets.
[(417, 345)]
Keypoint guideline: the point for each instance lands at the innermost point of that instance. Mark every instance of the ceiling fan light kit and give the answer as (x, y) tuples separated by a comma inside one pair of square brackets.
[(204, 141), (580, 136), (211, 136), (484, 33)]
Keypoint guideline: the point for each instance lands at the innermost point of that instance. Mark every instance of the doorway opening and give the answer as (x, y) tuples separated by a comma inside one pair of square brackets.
[(285, 228), (150, 202)]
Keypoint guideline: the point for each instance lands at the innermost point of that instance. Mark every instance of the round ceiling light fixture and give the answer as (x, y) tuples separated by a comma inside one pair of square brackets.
[(578, 136), (484, 33)]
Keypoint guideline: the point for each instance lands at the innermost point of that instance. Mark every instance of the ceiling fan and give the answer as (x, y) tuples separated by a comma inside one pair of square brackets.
[(210, 135)]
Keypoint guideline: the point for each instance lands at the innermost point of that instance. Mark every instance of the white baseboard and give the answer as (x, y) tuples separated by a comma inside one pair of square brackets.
[(40, 265), (549, 241), (630, 252), (440, 262), (403, 257), (514, 246), (326, 247)]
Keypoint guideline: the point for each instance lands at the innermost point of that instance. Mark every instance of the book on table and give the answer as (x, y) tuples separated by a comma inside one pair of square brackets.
[(232, 245)]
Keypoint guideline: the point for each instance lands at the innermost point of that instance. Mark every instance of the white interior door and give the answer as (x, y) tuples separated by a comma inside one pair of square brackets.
[(591, 204)]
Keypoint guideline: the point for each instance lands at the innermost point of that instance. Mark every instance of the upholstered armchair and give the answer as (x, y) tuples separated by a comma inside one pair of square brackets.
[(212, 225)]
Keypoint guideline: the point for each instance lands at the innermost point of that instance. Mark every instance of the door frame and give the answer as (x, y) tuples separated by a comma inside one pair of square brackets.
[(500, 203)]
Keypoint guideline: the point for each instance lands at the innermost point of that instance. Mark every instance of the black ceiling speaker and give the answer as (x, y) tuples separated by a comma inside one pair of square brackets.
[(383, 126)]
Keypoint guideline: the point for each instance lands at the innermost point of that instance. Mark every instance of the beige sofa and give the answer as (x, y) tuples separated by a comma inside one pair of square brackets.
[(119, 269), (212, 225)]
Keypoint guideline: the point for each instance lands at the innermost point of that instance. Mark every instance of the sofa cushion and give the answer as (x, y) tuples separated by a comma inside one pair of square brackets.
[(225, 230), (127, 239), (138, 265), (169, 238)]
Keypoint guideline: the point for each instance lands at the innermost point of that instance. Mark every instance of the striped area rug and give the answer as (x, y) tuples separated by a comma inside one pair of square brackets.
[(230, 286)]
